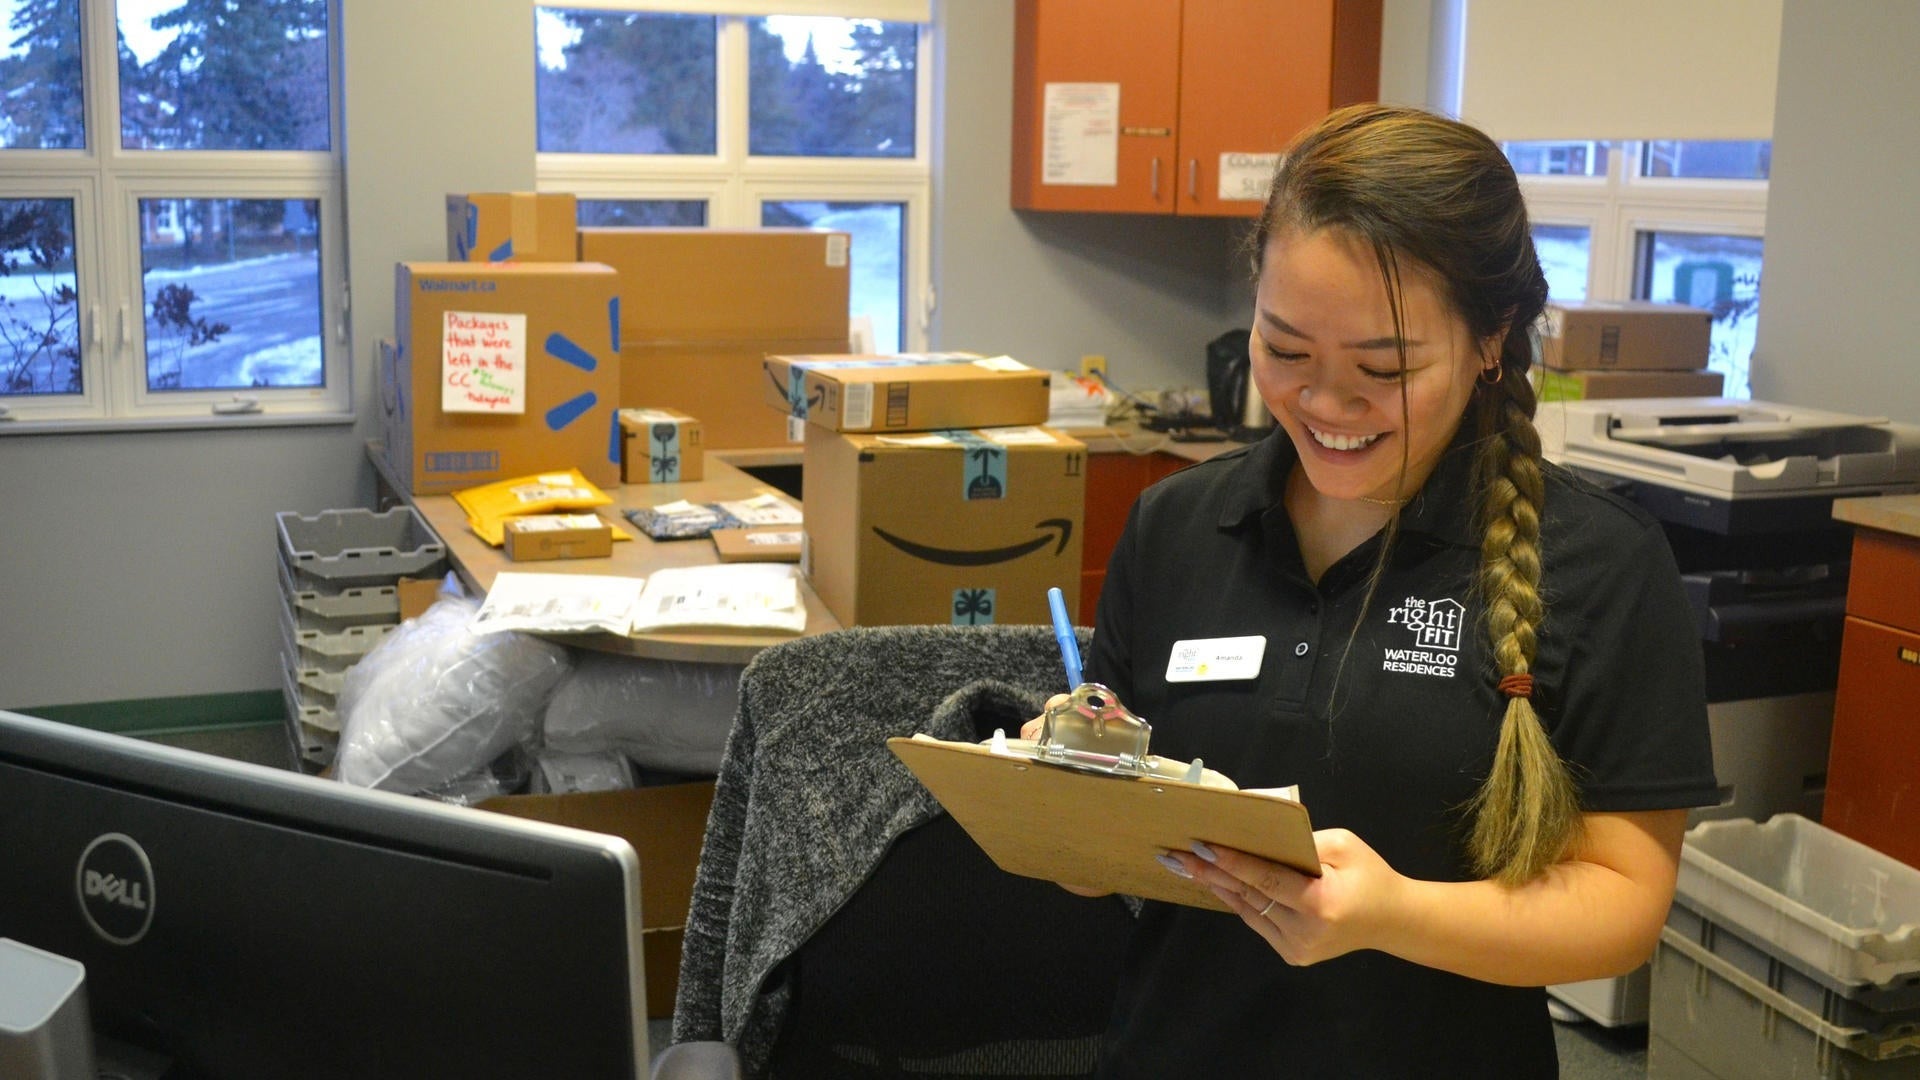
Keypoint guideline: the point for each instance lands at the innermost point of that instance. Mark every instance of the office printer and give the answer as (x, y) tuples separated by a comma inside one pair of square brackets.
[(1744, 491)]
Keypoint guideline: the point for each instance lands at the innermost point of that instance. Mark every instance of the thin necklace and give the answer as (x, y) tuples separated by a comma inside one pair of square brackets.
[(1384, 502)]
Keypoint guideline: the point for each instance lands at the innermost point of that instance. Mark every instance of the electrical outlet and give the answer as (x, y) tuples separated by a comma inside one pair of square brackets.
[(1092, 365)]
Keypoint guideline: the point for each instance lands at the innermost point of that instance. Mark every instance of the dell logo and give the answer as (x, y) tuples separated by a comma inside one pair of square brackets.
[(115, 888)]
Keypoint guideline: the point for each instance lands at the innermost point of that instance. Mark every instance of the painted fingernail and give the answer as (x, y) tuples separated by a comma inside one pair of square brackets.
[(1205, 852), (1173, 866)]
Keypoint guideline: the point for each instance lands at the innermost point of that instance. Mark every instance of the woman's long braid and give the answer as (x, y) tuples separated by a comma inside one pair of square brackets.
[(1527, 813)]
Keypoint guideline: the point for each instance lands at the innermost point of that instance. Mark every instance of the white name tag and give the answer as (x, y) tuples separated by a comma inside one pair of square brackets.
[(1216, 659)]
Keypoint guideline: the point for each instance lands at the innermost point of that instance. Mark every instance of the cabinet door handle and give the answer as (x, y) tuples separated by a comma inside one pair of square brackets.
[(1193, 178), (1156, 180)]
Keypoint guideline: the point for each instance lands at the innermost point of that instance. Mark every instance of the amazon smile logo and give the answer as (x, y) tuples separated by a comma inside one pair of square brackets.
[(984, 556), (800, 404)]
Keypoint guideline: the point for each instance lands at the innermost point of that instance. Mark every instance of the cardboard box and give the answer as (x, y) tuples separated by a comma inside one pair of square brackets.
[(537, 537), (907, 391), (568, 364), (518, 226), (1595, 385), (960, 527), (1632, 334), (660, 446), (702, 307), (762, 543), (665, 825)]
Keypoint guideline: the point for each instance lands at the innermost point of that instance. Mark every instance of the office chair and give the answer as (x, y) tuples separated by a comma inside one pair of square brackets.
[(841, 924)]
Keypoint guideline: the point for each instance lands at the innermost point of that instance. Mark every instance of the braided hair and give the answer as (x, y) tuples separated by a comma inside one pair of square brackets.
[(1421, 189)]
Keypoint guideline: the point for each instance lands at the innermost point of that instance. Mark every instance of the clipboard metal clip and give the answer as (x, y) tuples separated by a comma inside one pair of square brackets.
[(1091, 731)]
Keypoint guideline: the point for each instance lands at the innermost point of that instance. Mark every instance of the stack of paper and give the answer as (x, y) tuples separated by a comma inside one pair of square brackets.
[(734, 596)]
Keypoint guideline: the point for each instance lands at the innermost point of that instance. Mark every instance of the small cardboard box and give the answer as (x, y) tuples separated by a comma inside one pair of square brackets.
[(1635, 334), (703, 307), (561, 319), (660, 446), (956, 527), (907, 391), (519, 226), (1596, 385), (665, 825), (762, 543), (557, 536)]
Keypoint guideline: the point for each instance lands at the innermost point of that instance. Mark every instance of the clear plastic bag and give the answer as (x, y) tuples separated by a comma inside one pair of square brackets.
[(559, 773), (434, 701), (663, 714)]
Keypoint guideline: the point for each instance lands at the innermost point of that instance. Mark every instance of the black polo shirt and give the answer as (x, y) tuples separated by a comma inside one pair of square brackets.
[(1388, 722)]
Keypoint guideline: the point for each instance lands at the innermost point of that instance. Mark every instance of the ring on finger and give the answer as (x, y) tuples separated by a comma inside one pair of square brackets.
[(1269, 907)]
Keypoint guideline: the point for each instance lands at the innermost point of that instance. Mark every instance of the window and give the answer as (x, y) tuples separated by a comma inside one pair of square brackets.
[(660, 117), (1656, 220), (190, 268)]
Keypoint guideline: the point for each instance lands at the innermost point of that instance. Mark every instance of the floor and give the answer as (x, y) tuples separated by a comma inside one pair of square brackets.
[(1587, 1051)]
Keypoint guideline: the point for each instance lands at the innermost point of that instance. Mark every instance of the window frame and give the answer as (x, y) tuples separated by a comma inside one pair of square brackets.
[(734, 183), (112, 306)]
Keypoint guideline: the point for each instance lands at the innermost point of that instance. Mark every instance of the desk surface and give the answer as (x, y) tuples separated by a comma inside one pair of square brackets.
[(478, 562), (1892, 513)]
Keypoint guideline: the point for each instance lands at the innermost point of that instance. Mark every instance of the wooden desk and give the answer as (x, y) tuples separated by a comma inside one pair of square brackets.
[(478, 562)]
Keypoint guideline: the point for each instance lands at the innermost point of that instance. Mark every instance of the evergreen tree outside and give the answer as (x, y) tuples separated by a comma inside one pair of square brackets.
[(41, 82), (628, 83), (234, 76), (860, 106)]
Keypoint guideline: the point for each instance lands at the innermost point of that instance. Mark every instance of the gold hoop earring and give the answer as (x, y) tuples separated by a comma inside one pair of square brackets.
[(1499, 372)]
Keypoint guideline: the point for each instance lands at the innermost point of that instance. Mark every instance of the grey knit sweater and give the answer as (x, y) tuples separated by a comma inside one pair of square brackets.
[(809, 798)]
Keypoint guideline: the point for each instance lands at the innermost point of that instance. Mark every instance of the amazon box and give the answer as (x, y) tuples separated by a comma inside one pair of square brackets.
[(520, 226), (660, 446), (701, 308), (502, 370), (759, 543), (1595, 385), (959, 527), (906, 391), (1626, 334)]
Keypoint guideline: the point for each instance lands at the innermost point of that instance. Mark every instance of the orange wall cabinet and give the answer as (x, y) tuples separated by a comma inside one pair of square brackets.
[(1113, 482), (1873, 765), (1176, 106)]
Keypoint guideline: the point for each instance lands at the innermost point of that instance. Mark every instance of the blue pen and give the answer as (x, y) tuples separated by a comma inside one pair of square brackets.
[(1063, 633)]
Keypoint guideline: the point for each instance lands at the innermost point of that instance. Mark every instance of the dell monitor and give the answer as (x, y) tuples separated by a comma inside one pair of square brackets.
[(237, 921)]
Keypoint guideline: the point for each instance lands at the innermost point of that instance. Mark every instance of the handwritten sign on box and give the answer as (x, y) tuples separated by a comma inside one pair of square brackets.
[(483, 365)]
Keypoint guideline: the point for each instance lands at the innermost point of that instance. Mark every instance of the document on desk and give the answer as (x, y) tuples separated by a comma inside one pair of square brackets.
[(731, 596), (559, 603), (1100, 830)]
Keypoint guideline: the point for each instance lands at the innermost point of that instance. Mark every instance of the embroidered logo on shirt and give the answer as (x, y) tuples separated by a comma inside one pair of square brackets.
[(1436, 627)]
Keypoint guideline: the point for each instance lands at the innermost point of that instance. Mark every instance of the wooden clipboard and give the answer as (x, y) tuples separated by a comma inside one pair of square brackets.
[(1102, 831)]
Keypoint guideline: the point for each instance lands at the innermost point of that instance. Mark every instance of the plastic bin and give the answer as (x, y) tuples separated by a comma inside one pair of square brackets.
[(313, 731), (1710, 1020), (322, 605), (1888, 1010), (1830, 905), (359, 546), (336, 651)]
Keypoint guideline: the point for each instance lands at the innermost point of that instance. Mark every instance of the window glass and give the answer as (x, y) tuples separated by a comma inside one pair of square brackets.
[(220, 75), (877, 231), (598, 213), (624, 82), (1557, 158), (41, 80), (1565, 251), (1707, 160), (822, 87), (39, 304), (1717, 272), (233, 296)]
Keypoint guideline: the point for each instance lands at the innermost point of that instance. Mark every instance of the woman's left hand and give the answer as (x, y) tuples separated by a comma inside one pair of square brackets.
[(1305, 919)]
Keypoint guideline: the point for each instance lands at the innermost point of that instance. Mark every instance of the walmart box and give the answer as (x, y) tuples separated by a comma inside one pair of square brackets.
[(519, 226), (906, 391), (502, 370), (958, 527)]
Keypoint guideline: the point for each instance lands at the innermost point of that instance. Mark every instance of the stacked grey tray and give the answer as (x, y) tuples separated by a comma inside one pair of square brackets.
[(339, 574), (1790, 951)]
